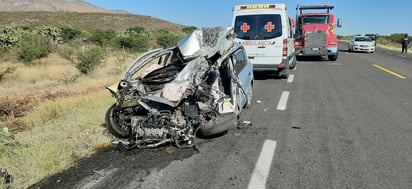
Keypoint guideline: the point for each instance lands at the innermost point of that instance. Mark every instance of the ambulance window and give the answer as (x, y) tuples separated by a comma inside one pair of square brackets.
[(258, 27)]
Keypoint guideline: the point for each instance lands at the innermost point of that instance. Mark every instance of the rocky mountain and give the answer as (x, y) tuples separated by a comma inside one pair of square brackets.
[(53, 6)]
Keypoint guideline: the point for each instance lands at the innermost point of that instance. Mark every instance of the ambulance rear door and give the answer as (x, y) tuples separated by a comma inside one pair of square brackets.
[(261, 35)]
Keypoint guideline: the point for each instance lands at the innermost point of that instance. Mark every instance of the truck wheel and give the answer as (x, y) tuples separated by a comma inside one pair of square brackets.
[(333, 57)]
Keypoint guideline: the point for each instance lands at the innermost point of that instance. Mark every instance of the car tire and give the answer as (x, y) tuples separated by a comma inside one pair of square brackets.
[(333, 57), (113, 125)]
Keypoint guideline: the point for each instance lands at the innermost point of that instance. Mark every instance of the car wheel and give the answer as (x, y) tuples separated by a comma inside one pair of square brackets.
[(333, 57), (112, 123)]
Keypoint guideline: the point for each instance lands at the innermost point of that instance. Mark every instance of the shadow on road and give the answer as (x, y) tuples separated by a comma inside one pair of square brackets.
[(266, 75), (122, 167)]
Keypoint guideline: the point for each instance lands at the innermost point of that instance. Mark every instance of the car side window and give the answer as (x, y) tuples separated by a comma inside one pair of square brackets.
[(239, 61)]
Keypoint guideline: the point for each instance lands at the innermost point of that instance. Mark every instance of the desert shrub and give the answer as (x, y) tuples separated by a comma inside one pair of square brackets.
[(33, 47), (134, 42), (102, 37), (135, 30), (68, 34), (90, 60), (166, 39)]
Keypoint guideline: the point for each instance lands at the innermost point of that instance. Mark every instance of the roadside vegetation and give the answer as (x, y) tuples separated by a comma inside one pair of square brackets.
[(53, 97)]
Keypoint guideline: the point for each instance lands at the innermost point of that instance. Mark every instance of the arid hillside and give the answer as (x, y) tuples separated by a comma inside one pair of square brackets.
[(75, 14), (52, 6), (85, 21)]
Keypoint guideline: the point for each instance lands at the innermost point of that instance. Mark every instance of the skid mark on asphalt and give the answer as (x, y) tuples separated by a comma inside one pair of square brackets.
[(262, 168), (283, 101), (390, 72)]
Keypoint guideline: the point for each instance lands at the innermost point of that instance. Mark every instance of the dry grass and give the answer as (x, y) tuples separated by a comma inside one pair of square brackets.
[(61, 121)]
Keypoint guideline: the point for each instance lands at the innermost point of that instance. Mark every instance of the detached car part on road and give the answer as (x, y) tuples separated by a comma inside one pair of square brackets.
[(200, 86)]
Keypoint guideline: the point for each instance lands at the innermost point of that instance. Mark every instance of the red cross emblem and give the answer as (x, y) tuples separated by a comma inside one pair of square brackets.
[(245, 27), (269, 27)]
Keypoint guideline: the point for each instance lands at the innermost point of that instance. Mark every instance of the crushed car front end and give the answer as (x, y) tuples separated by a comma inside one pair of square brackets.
[(171, 95)]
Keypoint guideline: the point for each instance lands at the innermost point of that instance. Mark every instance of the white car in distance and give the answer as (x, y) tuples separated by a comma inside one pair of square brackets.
[(361, 44)]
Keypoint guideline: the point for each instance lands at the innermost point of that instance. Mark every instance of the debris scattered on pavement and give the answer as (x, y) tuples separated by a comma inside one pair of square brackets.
[(296, 127), (258, 101), (244, 124)]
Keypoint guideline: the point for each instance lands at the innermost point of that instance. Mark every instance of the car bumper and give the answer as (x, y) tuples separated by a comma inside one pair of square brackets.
[(363, 49), (322, 51)]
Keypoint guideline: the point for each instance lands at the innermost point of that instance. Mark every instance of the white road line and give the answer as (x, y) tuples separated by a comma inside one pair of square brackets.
[(402, 56), (262, 168), (388, 53), (290, 78), (283, 101)]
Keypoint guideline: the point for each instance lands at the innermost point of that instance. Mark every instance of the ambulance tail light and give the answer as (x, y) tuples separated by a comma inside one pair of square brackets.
[(285, 48)]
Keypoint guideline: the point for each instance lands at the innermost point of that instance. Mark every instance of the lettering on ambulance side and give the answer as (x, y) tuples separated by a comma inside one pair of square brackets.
[(257, 43)]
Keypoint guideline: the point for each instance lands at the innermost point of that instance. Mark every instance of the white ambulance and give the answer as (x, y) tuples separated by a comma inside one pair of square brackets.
[(266, 32)]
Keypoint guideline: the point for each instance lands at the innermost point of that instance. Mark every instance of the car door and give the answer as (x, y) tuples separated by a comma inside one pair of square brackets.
[(244, 71)]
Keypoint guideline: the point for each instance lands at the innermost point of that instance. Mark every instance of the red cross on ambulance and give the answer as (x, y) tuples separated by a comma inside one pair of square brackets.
[(269, 27), (245, 27)]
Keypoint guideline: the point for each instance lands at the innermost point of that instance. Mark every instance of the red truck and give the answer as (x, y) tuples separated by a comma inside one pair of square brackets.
[(314, 35)]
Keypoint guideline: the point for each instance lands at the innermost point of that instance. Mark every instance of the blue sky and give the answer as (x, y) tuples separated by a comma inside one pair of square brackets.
[(358, 16)]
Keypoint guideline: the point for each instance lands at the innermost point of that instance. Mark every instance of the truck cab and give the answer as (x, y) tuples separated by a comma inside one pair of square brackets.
[(314, 35)]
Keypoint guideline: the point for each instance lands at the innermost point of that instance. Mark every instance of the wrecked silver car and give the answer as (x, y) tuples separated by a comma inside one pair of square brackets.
[(198, 87)]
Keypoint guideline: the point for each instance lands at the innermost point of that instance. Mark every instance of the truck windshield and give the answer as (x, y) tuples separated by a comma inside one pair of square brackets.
[(258, 27), (318, 19)]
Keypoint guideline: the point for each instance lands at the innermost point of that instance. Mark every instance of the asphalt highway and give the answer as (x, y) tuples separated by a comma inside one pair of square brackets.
[(331, 124)]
